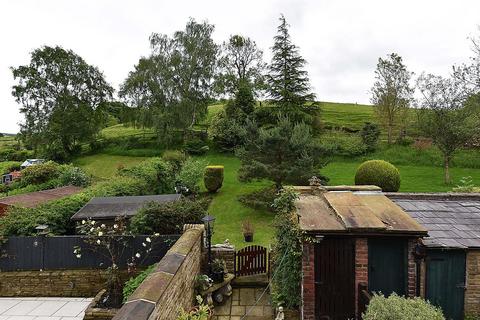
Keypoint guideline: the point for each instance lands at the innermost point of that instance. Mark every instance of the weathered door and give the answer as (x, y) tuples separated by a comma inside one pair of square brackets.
[(445, 281), (335, 279), (387, 265), (251, 260)]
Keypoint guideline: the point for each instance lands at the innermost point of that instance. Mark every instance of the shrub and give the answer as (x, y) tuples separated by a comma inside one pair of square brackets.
[(337, 143), (176, 158), (370, 134), (168, 218), (466, 186), (9, 166), (156, 172), (195, 147), (404, 141), (213, 178), (74, 176), (190, 175), (260, 199), (378, 173), (133, 283), (40, 173), (399, 308), (226, 133)]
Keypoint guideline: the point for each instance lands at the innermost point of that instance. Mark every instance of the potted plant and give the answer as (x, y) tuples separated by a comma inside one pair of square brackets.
[(248, 230), (219, 269), (200, 312), (203, 282)]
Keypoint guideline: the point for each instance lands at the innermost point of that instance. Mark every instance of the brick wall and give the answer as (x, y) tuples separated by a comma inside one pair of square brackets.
[(226, 254), (411, 269), (69, 283), (171, 286), (308, 281), (361, 266), (472, 294)]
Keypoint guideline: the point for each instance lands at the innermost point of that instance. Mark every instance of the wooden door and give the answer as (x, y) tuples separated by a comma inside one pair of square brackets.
[(387, 265), (251, 260), (335, 279), (445, 281)]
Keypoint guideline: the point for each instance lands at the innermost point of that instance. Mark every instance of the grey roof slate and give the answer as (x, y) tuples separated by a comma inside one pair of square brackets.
[(451, 223), (111, 207)]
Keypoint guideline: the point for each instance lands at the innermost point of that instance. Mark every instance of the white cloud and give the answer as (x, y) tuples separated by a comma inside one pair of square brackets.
[(340, 39)]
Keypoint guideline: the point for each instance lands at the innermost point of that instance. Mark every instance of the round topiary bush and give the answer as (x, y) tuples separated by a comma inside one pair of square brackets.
[(213, 178), (378, 173)]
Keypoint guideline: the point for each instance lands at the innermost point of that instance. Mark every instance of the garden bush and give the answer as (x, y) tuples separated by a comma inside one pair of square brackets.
[(74, 176), (338, 143), (190, 176), (168, 218), (175, 157), (156, 172), (133, 283), (40, 173), (9, 166), (260, 199), (379, 173), (370, 134), (399, 308), (195, 147), (227, 133), (213, 178)]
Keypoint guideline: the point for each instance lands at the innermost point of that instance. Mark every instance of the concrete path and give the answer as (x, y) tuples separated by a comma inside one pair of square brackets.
[(246, 304), (43, 308)]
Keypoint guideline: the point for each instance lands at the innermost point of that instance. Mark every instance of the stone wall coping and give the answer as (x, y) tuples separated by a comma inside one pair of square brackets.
[(143, 301)]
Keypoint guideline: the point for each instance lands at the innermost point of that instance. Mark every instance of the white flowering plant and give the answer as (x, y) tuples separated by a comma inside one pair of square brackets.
[(113, 240)]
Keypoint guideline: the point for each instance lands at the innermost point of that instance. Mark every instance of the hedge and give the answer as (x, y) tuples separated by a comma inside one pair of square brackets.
[(378, 173), (213, 178), (138, 180)]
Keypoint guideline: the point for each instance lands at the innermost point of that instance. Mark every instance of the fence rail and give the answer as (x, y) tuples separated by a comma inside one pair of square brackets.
[(56, 253)]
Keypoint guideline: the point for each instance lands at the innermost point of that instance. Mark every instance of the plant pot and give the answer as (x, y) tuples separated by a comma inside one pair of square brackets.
[(248, 237), (218, 276)]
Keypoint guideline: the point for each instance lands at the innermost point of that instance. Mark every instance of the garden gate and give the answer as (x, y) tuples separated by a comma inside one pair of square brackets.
[(251, 260)]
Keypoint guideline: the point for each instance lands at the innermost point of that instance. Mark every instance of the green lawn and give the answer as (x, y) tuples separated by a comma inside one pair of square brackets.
[(414, 178), (229, 212), (104, 166), (346, 114)]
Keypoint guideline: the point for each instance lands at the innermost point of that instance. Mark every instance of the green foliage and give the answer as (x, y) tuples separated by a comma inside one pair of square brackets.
[(286, 252), (9, 166), (260, 199), (288, 82), (226, 132), (285, 153), (74, 176), (336, 143), (370, 134), (133, 283), (379, 173), (399, 308), (15, 155), (62, 98), (168, 218), (466, 185), (213, 178), (191, 174), (201, 312), (40, 173), (176, 158), (195, 147)]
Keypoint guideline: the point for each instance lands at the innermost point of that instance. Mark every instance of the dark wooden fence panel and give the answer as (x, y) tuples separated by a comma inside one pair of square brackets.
[(56, 253), (251, 260)]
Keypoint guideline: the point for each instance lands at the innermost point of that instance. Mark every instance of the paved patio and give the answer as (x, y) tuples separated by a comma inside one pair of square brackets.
[(242, 301), (43, 308)]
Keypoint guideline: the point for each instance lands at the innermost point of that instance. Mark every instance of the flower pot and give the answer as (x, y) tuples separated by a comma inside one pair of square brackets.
[(218, 276), (248, 237)]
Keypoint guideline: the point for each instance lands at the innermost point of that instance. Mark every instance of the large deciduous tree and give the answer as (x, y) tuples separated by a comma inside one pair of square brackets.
[(391, 92), (61, 98), (448, 115), (284, 153), (175, 83), (241, 63), (288, 82)]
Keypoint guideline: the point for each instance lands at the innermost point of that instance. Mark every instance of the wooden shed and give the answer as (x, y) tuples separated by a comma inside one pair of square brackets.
[(450, 269), (363, 242)]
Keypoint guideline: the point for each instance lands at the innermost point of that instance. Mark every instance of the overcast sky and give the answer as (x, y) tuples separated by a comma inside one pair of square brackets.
[(341, 40)]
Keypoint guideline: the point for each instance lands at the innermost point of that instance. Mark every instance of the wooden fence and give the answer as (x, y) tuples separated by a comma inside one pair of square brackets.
[(57, 253)]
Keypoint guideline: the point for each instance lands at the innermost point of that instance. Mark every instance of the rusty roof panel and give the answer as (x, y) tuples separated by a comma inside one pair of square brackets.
[(315, 215)]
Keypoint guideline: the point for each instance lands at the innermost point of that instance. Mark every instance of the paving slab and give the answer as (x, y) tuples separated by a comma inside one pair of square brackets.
[(38, 308)]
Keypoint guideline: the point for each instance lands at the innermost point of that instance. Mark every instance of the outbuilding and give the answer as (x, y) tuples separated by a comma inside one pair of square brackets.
[(107, 209), (360, 242), (450, 274), (31, 162)]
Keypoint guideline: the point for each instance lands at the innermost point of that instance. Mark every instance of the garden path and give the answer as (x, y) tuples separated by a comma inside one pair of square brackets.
[(245, 300), (43, 308)]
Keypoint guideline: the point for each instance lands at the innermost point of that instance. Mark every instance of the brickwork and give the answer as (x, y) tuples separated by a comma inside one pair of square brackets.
[(308, 281), (171, 286), (226, 254), (68, 283), (472, 294), (361, 266), (411, 269), (94, 313)]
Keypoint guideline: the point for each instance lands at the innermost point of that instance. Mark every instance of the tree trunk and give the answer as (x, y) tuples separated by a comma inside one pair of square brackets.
[(389, 134), (447, 169)]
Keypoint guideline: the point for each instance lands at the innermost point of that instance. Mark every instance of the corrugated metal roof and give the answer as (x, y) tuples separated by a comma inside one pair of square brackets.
[(111, 207), (33, 199), (452, 222)]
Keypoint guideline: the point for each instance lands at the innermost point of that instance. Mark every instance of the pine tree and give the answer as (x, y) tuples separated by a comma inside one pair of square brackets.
[(288, 82)]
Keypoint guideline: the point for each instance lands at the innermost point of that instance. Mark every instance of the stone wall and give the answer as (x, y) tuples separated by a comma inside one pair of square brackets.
[(472, 293), (171, 286), (68, 283)]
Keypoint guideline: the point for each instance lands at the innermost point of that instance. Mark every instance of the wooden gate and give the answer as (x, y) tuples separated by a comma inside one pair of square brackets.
[(251, 260), (335, 279)]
